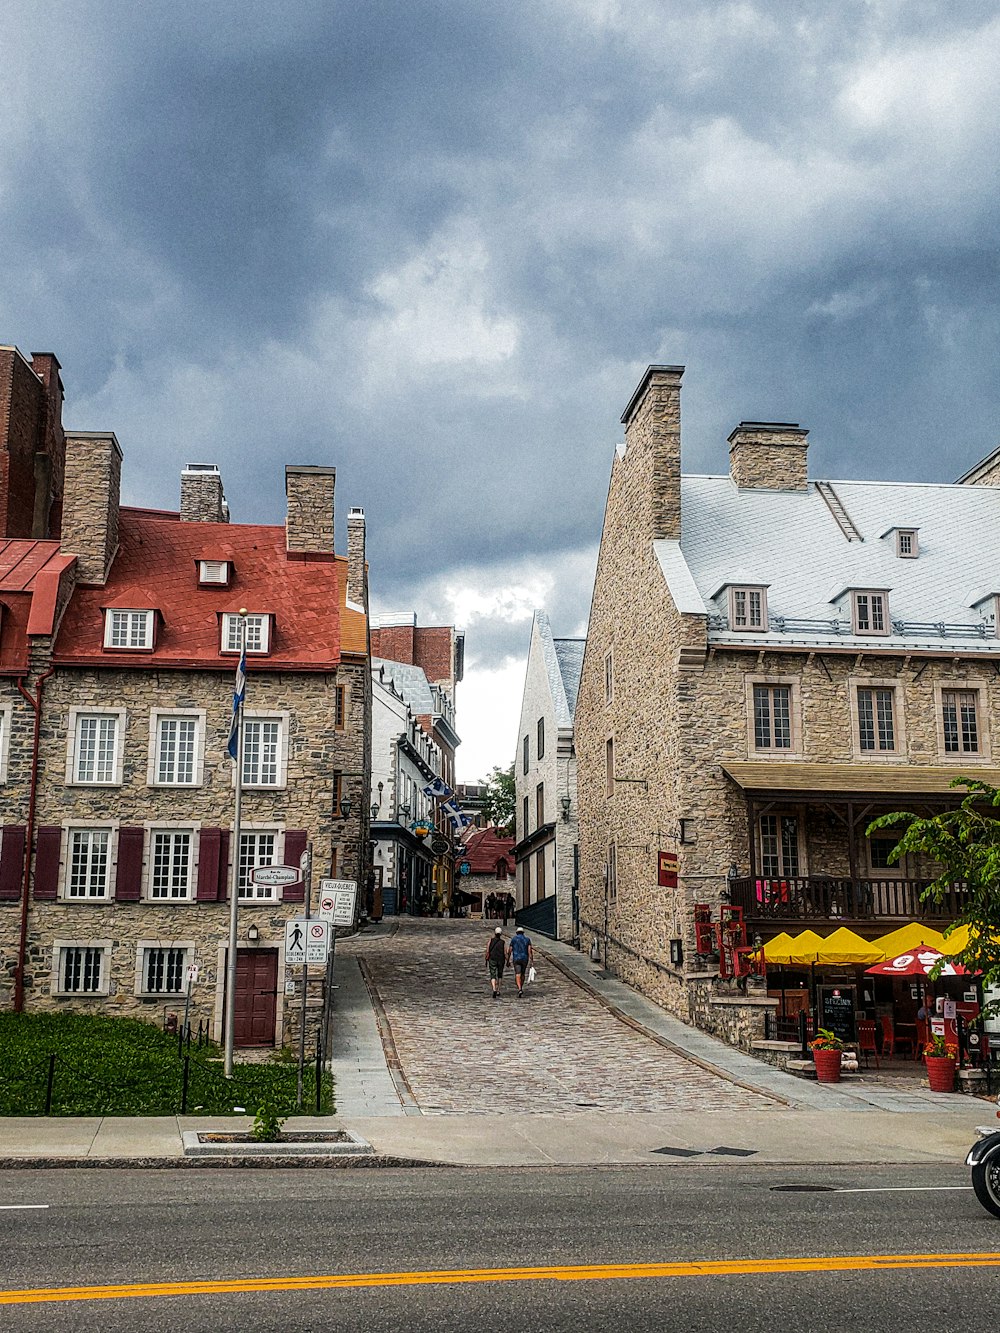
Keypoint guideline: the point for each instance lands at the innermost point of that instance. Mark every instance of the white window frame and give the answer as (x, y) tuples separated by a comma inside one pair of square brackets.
[(151, 828), (197, 715), (205, 573), (59, 947), (791, 751), (66, 847), (978, 687), (282, 718), (748, 591), (899, 754), (144, 947), (269, 893), (261, 626), (6, 715), (870, 595), (801, 844), (908, 536), (132, 612), (76, 715)]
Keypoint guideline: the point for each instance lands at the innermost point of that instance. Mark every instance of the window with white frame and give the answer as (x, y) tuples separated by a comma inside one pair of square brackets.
[(779, 846), (257, 633), (82, 970), (176, 762), (258, 847), (213, 572), (96, 748), (170, 864), (772, 717), (747, 608), (960, 719), (870, 612), (876, 719), (262, 752), (164, 971), (128, 629), (88, 872)]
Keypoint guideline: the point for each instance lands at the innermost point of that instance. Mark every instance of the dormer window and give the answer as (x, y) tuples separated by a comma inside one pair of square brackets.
[(906, 543), (131, 631), (747, 609), (870, 612), (258, 632), (214, 573)]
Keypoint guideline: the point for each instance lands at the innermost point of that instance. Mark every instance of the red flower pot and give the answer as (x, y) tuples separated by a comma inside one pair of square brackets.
[(827, 1065), (940, 1072)]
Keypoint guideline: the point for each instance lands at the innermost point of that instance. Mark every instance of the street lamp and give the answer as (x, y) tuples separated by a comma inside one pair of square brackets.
[(345, 806), (375, 810)]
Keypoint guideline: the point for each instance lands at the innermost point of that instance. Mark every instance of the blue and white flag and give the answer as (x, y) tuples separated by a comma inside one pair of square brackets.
[(239, 693), (438, 789), (458, 820)]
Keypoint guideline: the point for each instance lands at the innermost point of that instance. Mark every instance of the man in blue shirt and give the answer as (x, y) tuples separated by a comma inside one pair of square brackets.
[(521, 954)]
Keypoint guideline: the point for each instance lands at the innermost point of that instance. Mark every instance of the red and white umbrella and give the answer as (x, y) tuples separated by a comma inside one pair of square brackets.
[(916, 963)]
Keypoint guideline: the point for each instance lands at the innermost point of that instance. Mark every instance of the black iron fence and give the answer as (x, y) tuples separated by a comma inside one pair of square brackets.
[(833, 898)]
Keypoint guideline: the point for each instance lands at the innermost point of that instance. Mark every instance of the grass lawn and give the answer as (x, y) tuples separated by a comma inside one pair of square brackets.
[(120, 1066)]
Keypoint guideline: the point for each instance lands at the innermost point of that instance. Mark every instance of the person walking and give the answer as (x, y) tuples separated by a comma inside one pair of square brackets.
[(496, 956), (522, 955)]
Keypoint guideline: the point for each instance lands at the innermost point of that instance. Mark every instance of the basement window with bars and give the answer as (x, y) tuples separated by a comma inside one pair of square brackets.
[(163, 971), (81, 970)]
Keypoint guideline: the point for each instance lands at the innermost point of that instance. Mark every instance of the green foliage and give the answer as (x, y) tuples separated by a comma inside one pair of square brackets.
[(825, 1040), (272, 1112), (965, 844), (121, 1066), (937, 1048), (500, 797)]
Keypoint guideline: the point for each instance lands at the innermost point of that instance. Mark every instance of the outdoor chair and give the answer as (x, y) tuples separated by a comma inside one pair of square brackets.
[(866, 1041), (890, 1039), (923, 1037)]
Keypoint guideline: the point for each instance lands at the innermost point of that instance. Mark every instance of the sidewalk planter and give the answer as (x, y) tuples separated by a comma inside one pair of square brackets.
[(940, 1072), (827, 1065)]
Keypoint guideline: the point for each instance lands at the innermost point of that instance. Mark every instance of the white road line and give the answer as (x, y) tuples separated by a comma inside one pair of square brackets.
[(20, 1207), (904, 1189)]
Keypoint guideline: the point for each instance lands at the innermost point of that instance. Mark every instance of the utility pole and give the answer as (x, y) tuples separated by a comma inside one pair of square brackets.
[(305, 865), (235, 748)]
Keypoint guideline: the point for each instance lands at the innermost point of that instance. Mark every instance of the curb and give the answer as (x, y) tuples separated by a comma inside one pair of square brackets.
[(665, 1042), (393, 1063), (360, 1162)]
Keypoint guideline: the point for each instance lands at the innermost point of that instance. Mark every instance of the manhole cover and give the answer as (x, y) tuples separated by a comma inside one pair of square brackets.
[(733, 1152), (803, 1189), (678, 1152)]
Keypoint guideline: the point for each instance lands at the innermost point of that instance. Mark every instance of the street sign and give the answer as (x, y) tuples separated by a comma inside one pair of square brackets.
[(306, 941), (295, 942), (317, 941), (464, 868), (337, 899), (192, 973), (440, 845), (275, 876)]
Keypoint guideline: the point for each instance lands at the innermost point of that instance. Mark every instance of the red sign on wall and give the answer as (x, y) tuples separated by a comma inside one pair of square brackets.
[(666, 873)]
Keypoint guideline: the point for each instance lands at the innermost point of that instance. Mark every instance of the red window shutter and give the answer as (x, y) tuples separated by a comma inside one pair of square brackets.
[(12, 862), (296, 841), (48, 845), (209, 847), (223, 880), (128, 883)]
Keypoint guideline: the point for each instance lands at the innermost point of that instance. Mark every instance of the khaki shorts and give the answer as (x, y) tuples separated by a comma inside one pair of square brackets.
[(496, 971)]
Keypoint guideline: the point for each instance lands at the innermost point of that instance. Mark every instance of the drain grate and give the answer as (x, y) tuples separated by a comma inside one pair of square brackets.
[(803, 1189)]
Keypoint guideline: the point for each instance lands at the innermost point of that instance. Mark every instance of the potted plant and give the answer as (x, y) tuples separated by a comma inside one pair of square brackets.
[(828, 1051), (940, 1059)]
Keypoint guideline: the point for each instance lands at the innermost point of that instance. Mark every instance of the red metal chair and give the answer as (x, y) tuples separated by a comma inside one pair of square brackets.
[(890, 1039), (866, 1040), (923, 1037)]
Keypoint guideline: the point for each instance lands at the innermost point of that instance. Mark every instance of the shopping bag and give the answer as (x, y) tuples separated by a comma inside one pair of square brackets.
[(531, 974)]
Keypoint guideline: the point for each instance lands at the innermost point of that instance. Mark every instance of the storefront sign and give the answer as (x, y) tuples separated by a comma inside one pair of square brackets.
[(666, 875), (836, 1007)]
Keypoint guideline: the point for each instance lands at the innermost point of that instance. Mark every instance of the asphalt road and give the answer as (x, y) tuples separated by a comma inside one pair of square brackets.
[(136, 1227)]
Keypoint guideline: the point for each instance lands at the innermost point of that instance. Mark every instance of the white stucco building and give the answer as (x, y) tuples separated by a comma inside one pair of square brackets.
[(545, 783)]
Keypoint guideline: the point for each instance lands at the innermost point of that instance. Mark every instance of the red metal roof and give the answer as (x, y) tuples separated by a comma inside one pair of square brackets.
[(484, 847), (29, 588), (156, 568)]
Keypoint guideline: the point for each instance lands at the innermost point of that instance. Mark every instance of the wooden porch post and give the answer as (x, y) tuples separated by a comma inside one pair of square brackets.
[(752, 831)]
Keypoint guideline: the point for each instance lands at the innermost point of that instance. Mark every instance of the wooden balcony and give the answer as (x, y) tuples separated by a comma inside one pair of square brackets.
[(839, 900)]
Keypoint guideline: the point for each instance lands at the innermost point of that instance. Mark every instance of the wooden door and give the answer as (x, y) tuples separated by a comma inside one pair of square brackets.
[(256, 997)]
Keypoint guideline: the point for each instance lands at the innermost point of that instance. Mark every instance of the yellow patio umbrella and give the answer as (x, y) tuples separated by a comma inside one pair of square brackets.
[(908, 937), (846, 949), (803, 949), (772, 948), (955, 942)]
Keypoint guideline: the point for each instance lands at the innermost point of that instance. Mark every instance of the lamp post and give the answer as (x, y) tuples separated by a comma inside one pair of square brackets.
[(239, 697)]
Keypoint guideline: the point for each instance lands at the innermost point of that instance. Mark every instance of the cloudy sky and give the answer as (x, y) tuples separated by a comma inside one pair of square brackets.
[(435, 242)]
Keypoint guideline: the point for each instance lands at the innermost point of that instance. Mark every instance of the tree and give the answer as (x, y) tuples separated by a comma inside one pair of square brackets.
[(965, 843), (500, 797)]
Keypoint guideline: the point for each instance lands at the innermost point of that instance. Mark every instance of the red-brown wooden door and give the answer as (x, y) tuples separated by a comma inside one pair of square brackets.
[(256, 997)]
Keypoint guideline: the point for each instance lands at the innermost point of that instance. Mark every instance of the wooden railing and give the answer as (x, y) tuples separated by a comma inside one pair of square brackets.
[(831, 898)]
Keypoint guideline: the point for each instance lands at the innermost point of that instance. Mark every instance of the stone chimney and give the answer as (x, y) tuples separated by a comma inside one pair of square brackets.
[(91, 502), (202, 496), (357, 574), (652, 423), (769, 456), (309, 492), (985, 473)]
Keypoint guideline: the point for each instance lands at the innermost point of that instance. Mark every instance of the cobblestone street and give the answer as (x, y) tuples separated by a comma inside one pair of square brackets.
[(556, 1050)]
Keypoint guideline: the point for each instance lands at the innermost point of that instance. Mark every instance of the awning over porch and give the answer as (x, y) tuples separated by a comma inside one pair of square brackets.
[(856, 779)]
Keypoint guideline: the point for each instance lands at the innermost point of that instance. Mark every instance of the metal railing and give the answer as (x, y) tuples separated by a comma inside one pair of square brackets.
[(833, 898)]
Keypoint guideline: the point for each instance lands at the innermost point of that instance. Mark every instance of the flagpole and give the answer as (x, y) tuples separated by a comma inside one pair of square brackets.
[(234, 888)]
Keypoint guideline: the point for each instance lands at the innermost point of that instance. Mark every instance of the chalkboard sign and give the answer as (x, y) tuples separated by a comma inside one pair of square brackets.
[(836, 1007)]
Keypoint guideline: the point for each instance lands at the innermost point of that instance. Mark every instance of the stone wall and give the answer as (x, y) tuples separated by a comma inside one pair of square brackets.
[(202, 497), (91, 503), (735, 1018), (309, 492), (764, 456)]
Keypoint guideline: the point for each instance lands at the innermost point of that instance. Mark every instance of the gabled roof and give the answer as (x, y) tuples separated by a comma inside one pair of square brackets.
[(484, 847), (563, 660), (30, 572), (409, 682), (795, 544), (155, 568), (569, 655)]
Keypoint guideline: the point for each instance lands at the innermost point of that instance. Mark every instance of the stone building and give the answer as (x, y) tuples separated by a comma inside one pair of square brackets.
[(485, 866), (771, 662), (545, 810), (117, 661)]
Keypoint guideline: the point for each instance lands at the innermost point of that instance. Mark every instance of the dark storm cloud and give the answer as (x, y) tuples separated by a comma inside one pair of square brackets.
[(436, 242)]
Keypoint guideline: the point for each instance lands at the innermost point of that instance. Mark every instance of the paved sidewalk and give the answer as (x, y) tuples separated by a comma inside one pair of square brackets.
[(363, 1085)]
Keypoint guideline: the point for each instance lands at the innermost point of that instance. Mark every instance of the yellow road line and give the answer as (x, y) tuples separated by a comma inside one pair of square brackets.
[(856, 1263)]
